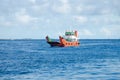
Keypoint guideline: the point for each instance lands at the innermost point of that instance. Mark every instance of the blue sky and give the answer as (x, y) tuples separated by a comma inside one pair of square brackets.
[(37, 18)]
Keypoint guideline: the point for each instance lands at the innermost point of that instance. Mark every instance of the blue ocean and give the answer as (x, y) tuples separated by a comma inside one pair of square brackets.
[(94, 59)]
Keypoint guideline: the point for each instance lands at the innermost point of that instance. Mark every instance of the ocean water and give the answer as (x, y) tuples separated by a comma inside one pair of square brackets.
[(36, 60)]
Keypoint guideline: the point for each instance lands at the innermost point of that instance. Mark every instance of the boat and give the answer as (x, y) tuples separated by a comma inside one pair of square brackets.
[(69, 39)]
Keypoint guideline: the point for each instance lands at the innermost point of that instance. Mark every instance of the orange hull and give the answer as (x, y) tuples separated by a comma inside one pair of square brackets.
[(66, 43)]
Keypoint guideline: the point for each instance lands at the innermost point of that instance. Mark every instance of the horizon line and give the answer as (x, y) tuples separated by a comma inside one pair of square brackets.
[(52, 38)]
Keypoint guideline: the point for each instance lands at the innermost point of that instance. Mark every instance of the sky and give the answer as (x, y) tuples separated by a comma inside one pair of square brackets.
[(34, 19)]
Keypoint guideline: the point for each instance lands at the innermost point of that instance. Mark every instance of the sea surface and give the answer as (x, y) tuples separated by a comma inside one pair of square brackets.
[(94, 59)]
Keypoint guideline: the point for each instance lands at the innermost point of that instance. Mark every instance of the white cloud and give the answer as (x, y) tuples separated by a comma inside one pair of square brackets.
[(40, 7), (81, 19), (33, 1), (106, 31), (104, 20), (105, 11), (64, 1), (37, 8), (48, 20), (79, 8), (2, 19), (95, 20), (63, 8), (23, 17), (85, 32), (82, 8), (5, 22), (90, 8)]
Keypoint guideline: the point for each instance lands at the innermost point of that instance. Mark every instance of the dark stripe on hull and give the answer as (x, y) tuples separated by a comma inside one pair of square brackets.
[(53, 44)]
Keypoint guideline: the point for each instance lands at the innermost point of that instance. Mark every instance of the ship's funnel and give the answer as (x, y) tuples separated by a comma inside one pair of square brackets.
[(76, 33)]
